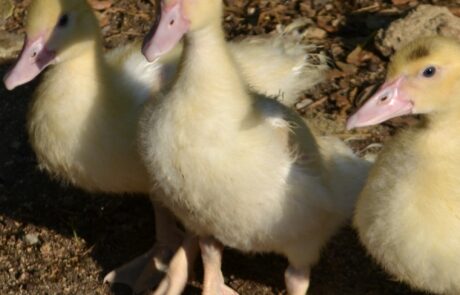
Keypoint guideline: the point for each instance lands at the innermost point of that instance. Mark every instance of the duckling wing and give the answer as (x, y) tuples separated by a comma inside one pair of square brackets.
[(279, 65)]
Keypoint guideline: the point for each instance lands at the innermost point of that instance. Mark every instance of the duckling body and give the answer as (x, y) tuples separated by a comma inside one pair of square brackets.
[(83, 129), (235, 166), (408, 213)]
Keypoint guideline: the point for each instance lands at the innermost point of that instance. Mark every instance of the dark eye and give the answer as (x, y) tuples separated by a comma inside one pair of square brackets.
[(63, 21), (429, 72)]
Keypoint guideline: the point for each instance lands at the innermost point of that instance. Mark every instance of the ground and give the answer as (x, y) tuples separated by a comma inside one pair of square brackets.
[(56, 239)]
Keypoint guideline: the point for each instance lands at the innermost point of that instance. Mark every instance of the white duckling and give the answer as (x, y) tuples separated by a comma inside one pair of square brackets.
[(408, 214), (237, 169), (83, 120)]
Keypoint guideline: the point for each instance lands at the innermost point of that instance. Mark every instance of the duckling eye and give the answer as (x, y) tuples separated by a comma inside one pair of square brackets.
[(429, 72), (63, 21)]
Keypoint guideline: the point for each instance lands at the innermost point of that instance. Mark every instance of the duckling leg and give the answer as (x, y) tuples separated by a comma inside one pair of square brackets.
[(297, 280), (147, 270), (211, 253), (179, 268)]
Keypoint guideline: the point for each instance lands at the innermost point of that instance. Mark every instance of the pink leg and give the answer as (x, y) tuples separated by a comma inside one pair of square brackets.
[(297, 280), (147, 270), (179, 268), (211, 253)]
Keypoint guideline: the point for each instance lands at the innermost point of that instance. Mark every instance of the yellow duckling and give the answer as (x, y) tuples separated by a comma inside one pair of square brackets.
[(238, 169), (408, 215)]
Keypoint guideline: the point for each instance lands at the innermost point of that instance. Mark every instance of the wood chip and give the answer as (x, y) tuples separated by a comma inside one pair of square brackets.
[(400, 2), (347, 68), (100, 5), (315, 33), (355, 56)]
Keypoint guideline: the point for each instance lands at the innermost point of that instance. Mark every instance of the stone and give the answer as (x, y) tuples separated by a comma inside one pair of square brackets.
[(425, 20)]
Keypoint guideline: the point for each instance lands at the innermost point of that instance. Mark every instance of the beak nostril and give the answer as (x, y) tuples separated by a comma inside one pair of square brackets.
[(383, 98), (171, 22)]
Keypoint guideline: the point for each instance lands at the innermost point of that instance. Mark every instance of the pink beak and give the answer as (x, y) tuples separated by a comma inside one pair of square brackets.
[(33, 59), (169, 31), (390, 101)]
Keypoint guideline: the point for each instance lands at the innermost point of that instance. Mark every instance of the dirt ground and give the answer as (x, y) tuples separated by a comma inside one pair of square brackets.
[(56, 239)]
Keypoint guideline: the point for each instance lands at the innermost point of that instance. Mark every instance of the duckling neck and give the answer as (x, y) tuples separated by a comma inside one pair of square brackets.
[(207, 67), (447, 120), (439, 133), (89, 67)]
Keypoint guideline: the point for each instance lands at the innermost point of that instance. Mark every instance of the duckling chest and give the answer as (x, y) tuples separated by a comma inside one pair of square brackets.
[(80, 142), (208, 165), (412, 202), (408, 214)]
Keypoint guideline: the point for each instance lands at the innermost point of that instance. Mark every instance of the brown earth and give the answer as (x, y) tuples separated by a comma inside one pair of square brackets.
[(56, 239)]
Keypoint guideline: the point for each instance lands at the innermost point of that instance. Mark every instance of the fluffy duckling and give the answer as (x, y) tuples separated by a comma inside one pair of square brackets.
[(83, 120), (238, 169), (408, 214)]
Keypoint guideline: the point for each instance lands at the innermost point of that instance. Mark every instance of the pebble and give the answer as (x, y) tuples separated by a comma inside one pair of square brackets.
[(32, 239)]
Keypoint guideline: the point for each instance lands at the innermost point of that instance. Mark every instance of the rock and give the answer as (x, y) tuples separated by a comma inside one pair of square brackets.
[(32, 239), (6, 9), (426, 20), (10, 46)]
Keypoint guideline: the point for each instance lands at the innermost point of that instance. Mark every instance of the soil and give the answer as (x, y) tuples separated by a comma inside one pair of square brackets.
[(56, 239)]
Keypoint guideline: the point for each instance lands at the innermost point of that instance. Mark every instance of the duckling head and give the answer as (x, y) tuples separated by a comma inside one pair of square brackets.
[(175, 19), (56, 31), (423, 78)]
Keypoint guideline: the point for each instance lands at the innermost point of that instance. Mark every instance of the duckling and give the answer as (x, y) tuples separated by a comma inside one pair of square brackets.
[(83, 119), (237, 169), (82, 122), (408, 214)]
